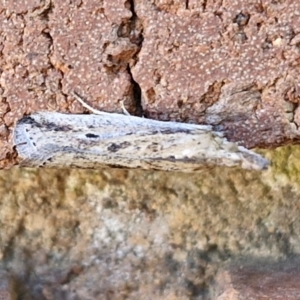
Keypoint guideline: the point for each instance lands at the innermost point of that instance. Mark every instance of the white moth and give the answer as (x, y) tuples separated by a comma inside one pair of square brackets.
[(56, 140)]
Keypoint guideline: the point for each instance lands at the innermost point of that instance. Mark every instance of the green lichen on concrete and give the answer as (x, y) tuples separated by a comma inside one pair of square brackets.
[(167, 226), (285, 164)]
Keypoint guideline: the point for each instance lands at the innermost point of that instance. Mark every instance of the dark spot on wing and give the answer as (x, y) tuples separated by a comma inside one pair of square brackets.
[(175, 130), (154, 147), (29, 120), (61, 128), (43, 124), (91, 135), (116, 147)]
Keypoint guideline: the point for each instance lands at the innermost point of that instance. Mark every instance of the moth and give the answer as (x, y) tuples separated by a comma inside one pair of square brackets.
[(56, 140)]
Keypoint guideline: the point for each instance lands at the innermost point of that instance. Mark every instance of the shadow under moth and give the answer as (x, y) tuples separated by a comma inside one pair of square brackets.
[(56, 140)]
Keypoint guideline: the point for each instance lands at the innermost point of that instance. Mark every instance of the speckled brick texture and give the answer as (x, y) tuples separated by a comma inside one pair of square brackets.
[(232, 64), (50, 48), (259, 280)]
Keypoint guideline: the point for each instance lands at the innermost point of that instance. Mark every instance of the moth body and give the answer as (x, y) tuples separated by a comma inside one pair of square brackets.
[(50, 139)]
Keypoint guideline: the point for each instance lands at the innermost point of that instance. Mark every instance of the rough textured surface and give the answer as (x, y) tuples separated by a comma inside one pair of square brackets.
[(142, 235), (232, 64), (112, 234), (7, 286), (50, 48)]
